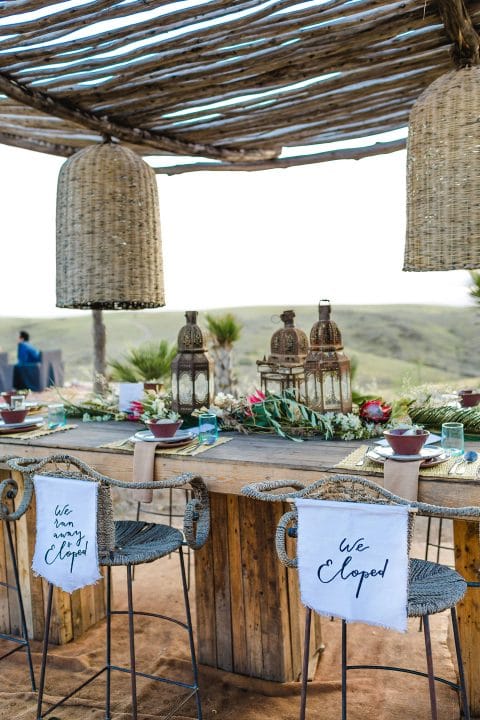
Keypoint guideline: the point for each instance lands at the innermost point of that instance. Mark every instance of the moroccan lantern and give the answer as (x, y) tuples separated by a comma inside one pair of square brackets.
[(443, 208), (192, 369), (284, 368), (108, 231), (327, 369)]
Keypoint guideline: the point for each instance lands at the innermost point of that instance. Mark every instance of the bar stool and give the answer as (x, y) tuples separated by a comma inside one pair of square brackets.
[(432, 588), (8, 493), (129, 543)]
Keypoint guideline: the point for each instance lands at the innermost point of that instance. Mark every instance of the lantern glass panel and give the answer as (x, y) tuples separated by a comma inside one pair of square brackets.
[(331, 390), (345, 384), (185, 389), (201, 388), (312, 389)]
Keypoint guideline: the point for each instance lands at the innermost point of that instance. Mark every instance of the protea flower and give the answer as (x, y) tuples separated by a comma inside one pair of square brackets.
[(375, 411)]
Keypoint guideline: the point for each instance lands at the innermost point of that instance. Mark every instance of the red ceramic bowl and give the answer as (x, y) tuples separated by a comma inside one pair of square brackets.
[(402, 444), (164, 428), (469, 398), (7, 395), (13, 416)]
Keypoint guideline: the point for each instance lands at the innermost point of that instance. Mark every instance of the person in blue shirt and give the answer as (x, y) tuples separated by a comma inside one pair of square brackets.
[(26, 353)]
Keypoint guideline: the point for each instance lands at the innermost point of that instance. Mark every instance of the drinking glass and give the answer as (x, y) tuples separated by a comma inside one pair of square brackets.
[(56, 415), (207, 428), (452, 437)]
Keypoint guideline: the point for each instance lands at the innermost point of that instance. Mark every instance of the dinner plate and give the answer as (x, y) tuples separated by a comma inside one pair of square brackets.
[(31, 424), (181, 436), (429, 456)]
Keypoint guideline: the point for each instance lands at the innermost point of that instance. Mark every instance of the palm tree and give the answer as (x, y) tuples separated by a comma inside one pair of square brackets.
[(224, 331), (150, 361)]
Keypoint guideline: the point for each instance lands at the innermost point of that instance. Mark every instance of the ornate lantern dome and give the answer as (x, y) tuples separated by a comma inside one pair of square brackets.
[(327, 368), (190, 336), (289, 344), (325, 334)]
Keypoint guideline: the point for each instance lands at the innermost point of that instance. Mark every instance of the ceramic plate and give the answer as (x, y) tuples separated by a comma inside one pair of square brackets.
[(180, 436), (31, 424), (429, 456)]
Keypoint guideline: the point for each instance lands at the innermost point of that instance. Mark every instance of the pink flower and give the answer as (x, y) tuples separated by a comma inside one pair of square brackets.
[(258, 396), (375, 411)]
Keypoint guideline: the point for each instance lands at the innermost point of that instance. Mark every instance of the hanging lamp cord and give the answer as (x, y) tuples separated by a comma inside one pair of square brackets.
[(461, 31)]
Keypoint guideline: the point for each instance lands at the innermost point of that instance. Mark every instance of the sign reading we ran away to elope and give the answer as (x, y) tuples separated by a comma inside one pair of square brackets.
[(66, 542), (353, 561)]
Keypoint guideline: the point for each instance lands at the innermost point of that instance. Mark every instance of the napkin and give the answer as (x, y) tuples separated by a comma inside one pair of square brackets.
[(401, 478), (143, 464)]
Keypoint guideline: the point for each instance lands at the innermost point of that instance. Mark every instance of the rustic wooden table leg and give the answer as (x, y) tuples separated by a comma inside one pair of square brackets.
[(467, 563), (249, 616)]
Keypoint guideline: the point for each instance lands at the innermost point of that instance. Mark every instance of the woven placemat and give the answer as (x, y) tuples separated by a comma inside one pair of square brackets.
[(37, 433), (193, 449), (441, 470)]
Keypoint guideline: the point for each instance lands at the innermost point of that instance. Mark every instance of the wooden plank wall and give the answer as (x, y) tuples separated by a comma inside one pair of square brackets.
[(244, 592)]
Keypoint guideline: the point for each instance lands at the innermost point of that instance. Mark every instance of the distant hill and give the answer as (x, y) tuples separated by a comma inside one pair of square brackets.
[(390, 342)]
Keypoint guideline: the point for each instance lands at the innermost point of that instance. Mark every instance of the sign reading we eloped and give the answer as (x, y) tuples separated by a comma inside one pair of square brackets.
[(66, 543), (353, 561)]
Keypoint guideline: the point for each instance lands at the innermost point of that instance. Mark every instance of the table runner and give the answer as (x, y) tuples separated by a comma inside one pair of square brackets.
[(39, 432), (190, 450), (441, 470)]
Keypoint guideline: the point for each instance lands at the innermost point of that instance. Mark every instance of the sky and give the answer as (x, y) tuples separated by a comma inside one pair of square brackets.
[(278, 237)]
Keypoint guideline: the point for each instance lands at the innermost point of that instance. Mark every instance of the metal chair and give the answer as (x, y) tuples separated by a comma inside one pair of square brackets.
[(432, 587), (8, 494), (128, 543)]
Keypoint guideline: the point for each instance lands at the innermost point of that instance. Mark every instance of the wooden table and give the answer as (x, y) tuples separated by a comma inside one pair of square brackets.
[(248, 616)]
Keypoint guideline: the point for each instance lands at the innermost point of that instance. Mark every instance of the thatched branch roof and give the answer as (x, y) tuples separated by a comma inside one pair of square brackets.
[(232, 82)]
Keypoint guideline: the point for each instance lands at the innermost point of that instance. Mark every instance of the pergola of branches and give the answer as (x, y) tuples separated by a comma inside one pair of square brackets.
[(232, 84)]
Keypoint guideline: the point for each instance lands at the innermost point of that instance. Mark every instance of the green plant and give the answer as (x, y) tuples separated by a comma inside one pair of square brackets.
[(225, 331), (156, 406), (474, 290), (149, 361)]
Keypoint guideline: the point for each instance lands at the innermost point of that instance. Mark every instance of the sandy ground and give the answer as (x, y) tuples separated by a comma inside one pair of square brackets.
[(162, 647)]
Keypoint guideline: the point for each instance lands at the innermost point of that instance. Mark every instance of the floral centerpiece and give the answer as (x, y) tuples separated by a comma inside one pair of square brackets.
[(287, 417), (155, 410)]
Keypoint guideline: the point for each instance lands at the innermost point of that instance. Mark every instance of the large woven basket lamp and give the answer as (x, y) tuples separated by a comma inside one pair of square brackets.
[(443, 179), (108, 231)]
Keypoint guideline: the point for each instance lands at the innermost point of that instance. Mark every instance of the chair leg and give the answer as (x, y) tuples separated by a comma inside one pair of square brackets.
[(46, 636), (21, 606), (306, 654), (108, 645), (461, 674), (131, 630), (190, 634), (431, 678), (344, 670)]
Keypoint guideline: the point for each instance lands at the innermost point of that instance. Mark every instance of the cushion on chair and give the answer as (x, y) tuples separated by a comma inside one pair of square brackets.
[(433, 588), (140, 542)]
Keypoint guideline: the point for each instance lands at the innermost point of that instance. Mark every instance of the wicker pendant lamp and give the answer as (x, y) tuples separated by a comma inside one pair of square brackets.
[(443, 180), (108, 231)]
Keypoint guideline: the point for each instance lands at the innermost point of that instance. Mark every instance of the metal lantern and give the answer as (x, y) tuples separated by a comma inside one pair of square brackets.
[(192, 369), (108, 231), (327, 369), (284, 368), (443, 208)]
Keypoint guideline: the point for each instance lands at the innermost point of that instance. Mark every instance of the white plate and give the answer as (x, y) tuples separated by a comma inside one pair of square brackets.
[(426, 453), (180, 435), (25, 423), (374, 454)]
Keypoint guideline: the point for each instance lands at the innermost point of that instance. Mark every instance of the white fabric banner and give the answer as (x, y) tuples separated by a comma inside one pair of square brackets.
[(66, 544), (353, 561)]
